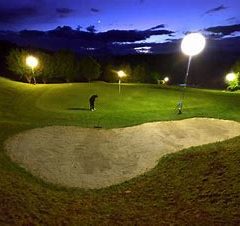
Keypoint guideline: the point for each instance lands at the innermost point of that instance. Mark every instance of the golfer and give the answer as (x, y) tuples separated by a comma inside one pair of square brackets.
[(92, 102)]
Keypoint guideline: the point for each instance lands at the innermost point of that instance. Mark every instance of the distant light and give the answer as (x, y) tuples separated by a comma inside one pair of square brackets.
[(90, 49), (166, 79), (32, 61), (143, 49), (192, 44), (121, 74), (231, 77), (99, 21)]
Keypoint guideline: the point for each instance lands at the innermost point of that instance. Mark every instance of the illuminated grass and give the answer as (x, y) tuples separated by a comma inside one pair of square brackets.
[(196, 186), (68, 104)]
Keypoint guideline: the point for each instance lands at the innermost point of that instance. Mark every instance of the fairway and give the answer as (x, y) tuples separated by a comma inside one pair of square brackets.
[(67, 104), (201, 183)]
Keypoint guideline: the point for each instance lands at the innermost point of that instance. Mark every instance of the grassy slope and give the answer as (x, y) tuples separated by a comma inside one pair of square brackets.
[(197, 186)]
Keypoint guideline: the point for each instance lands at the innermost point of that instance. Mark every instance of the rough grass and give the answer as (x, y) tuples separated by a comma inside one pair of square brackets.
[(198, 186)]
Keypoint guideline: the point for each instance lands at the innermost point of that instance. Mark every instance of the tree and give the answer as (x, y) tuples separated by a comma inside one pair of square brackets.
[(46, 68), (139, 73), (110, 74), (234, 84), (89, 68), (79, 27), (236, 67), (65, 65), (155, 76), (16, 61)]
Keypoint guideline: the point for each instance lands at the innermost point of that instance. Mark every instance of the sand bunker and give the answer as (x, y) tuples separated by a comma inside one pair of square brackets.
[(94, 158)]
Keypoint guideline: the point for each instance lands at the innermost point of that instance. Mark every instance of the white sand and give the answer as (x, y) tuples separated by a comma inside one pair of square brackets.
[(94, 158)]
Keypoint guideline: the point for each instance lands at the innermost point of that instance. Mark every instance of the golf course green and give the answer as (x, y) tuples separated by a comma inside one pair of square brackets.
[(199, 185)]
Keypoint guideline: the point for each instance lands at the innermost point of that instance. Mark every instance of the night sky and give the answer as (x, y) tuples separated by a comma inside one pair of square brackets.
[(137, 21)]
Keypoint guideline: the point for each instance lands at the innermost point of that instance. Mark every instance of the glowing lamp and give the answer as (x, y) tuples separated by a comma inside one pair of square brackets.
[(231, 77), (121, 74), (192, 44), (32, 61), (166, 79)]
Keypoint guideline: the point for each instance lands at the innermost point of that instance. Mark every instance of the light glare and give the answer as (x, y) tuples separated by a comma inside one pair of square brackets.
[(121, 74), (230, 77), (192, 44), (166, 79), (32, 61)]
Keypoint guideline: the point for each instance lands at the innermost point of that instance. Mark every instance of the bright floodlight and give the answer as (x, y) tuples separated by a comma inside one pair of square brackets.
[(166, 79), (192, 44), (230, 77), (121, 74), (32, 61)]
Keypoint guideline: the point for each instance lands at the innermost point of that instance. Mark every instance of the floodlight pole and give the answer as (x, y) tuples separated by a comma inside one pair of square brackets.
[(121, 74), (180, 103), (119, 86), (34, 79)]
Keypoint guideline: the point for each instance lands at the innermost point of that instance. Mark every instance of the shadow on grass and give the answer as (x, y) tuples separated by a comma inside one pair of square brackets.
[(78, 109)]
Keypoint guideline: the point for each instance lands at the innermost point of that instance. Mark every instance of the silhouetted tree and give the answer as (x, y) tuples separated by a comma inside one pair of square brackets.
[(46, 68), (110, 74), (65, 65), (89, 68), (236, 67), (139, 74), (155, 76), (79, 28)]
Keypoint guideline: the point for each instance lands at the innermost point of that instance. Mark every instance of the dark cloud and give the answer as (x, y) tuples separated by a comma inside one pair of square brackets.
[(131, 35), (91, 29), (224, 30), (95, 10), (33, 13), (106, 42), (91, 37), (108, 36), (13, 15), (157, 27), (231, 18), (64, 11), (217, 9), (24, 17)]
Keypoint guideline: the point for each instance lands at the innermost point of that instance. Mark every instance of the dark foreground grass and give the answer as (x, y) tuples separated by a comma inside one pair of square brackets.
[(198, 186)]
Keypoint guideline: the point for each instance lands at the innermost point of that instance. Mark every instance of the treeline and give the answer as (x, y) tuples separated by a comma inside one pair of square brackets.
[(65, 66), (207, 70), (58, 66)]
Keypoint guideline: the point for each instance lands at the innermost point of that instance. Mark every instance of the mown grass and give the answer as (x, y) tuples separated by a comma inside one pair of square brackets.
[(198, 186)]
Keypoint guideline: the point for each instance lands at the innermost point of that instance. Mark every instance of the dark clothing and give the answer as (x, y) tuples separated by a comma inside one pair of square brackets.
[(92, 101)]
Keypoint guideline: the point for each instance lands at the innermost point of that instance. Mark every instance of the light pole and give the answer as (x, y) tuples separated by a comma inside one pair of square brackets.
[(32, 62), (121, 74), (192, 44)]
